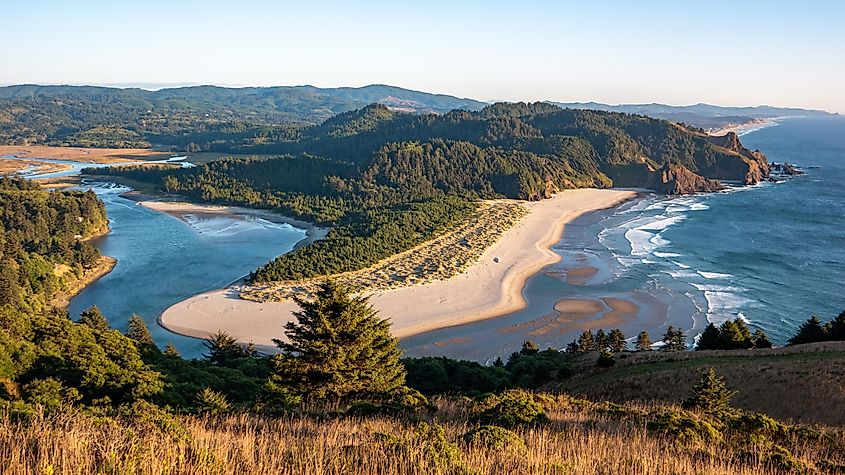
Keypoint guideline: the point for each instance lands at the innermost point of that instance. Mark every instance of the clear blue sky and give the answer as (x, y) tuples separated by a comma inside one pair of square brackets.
[(785, 53)]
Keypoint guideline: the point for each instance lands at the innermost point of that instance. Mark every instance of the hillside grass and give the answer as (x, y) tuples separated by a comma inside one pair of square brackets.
[(579, 438), (803, 383)]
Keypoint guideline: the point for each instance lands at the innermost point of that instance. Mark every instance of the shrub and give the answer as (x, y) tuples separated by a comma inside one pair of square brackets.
[(49, 394), (510, 408), (710, 395), (683, 428), (212, 402), (494, 438), (605, 359), (783, 458)]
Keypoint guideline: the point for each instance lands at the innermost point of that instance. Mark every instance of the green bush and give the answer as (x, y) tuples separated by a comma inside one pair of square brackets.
[(494, 438), (684, 428), (511, 408)]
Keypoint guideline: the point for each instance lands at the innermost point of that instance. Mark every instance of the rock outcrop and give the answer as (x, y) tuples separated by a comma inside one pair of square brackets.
[(676, 179), (741, 164)]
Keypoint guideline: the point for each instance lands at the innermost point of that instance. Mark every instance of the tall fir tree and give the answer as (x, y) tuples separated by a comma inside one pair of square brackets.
[(338, 349), (643, 341), (616, 341), (710, 338), (710, 395), (810, 331), (94, 318), (138, 331)]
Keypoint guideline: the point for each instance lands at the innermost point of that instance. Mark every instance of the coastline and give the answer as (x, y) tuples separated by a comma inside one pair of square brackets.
[(490, 288), (746, 127), (105, 265)]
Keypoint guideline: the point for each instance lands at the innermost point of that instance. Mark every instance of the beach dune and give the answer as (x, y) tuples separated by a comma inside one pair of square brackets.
[(489, 288)]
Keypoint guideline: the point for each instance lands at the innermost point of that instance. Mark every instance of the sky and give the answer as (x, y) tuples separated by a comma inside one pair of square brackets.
[(782, 53)]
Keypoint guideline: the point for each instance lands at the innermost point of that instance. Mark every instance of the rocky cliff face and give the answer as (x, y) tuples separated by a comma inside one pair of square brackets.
[(676, 179), (741, 164)]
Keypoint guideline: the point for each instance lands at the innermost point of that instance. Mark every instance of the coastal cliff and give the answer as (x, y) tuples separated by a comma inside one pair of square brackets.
[(739, 163), (676, 179)]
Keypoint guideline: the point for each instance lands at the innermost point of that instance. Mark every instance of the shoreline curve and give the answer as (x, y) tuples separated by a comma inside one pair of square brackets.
[(490, 288)]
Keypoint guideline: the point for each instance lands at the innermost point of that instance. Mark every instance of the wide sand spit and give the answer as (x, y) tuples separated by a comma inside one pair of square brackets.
[(490, 288)]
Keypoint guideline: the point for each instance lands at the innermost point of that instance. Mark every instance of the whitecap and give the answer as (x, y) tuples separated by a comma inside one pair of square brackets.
[(713, 275), (665, 254)]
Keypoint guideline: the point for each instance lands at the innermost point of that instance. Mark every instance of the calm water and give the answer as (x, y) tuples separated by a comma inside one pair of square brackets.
[(772, 254), (162, 260)]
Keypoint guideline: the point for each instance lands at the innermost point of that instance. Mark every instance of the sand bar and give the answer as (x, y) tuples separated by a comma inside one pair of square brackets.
[(81, 154), (181, 209), (491, 287)]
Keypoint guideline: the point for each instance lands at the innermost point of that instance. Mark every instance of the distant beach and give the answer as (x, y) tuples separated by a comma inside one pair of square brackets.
[(489, 288), (746, 127)]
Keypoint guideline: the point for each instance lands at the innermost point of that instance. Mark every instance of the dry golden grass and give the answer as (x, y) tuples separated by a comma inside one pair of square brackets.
[(446, 256), (804, 383), (79, 154), (574, 442)]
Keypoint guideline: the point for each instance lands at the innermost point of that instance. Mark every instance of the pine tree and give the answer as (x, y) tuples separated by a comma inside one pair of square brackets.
[(601, 339), (674, 339), (810, 331), (171, 351), (836, 328), (212, 402), (735, 335), (94, 318), (586, 342), (529, 348), (223, 349), (8, 283), (616, 341), (761, 340), (710, 395), (643, 341), (338, 349), (710, 338), (138, 331)]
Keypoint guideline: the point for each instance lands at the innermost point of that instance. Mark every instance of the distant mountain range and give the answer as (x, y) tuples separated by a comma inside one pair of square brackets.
[(96, 116), (705, 116), (273, 104)]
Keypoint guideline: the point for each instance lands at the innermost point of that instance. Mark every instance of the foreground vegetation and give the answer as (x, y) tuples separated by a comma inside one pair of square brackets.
[(572, 436)]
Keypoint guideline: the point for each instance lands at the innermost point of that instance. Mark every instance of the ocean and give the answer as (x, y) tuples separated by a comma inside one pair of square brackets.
[(771, 254)]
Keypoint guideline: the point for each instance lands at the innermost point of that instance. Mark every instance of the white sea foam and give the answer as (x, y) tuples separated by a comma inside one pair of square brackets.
[(713, 275), (665, 255), (680, 274), (680, 264)]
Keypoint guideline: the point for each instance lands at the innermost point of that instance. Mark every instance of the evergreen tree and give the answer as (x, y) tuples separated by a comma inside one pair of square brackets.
[(761, 340), (94, 318), (586, 342), (212, 402), (735, 335), (8, 283), (643, 341), (674, 339), (138, 331), (710, 338), (836, 328), (616, 341), (337, 349), (171, 351), (710, 395), (529, 348), (223, 349), (601, 339), (810, 331)]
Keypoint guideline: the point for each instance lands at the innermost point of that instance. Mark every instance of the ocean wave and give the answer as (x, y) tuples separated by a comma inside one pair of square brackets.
[(665, 255), (680, 264), (713, 275)]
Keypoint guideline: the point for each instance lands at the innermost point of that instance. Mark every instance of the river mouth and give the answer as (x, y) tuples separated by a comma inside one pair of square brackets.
[(163, 258)]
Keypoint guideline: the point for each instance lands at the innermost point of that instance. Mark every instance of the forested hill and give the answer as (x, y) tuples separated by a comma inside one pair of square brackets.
[(523, 150), (113, 117)]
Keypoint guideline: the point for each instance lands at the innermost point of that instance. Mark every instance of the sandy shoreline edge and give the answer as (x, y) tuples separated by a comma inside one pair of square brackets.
[(490, 288)]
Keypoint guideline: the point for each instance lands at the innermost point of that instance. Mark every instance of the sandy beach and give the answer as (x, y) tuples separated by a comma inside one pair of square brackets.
[(739, 129), (180, 209), (491, 287)]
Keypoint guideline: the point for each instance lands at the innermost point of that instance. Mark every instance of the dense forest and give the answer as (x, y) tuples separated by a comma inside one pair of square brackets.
[(42, 240), (363, 171)]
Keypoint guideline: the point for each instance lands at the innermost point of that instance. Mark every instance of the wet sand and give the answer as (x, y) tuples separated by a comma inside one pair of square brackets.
[(490, 288)]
